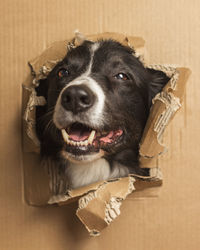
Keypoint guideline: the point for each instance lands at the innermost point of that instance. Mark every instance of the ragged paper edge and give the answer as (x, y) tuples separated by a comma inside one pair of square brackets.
[(172, 104), (171, 98), (100, 203), (112, 209), (58, 184), (29, 113), (110, 205), (100, 207)]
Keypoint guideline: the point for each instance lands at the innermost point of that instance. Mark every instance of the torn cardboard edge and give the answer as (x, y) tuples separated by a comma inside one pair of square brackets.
[(65, 198), (99, 203), (165, 105), (100, 207)]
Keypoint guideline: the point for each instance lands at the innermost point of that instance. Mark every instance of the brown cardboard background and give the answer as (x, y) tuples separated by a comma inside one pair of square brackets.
[(172, 33)]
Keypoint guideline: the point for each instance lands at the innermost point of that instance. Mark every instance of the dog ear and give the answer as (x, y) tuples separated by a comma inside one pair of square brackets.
[(159, 80)]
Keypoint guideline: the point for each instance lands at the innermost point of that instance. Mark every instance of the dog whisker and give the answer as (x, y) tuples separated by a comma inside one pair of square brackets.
[(50, 127)]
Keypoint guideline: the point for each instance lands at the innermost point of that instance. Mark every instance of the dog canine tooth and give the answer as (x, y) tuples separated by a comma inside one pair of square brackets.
[(91, 137), (65, 135)]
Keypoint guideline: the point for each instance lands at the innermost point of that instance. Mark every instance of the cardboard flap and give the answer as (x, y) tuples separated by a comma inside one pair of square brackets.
[(98, 208), (165, 105)]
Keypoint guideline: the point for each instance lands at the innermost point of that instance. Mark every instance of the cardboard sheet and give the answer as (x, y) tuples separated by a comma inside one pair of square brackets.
[(147, 221)]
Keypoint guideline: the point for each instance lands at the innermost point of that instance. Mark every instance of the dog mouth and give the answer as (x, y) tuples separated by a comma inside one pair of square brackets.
[(81, 139)]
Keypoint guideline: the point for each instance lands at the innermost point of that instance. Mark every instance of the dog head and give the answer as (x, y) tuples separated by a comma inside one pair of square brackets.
[(98, 101)]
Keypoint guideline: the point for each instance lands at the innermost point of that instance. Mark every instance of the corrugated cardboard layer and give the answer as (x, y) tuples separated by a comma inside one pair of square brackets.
[(171, 30)]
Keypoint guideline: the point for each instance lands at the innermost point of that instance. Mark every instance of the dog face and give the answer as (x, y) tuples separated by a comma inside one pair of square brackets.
[(98, 101)]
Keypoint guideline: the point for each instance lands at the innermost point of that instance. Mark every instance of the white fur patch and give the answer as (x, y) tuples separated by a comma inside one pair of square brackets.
[(95, 113), (83, 174), (93, 48)]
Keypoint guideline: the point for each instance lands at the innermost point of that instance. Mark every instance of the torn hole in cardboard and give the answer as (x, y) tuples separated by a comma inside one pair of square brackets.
[(99, 203)]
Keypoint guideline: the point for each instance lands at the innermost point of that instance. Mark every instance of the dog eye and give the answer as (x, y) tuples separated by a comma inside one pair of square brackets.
[(63, 73), (122, 76)]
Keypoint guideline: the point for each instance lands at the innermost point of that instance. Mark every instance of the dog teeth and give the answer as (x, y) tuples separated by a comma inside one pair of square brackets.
[(74, 143), (78, 143), (70, 143), (84, 143), (91, 137)]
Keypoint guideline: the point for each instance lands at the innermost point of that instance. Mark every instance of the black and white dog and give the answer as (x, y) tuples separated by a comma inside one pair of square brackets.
[(98, 101)]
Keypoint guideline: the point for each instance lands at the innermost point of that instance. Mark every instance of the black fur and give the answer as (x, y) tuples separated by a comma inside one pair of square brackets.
[(127, 102)]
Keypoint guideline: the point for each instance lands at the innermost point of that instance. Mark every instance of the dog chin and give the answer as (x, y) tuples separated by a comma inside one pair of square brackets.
[(81, 159)]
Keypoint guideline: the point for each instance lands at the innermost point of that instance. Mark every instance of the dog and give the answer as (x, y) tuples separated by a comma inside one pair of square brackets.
[(98, 101)]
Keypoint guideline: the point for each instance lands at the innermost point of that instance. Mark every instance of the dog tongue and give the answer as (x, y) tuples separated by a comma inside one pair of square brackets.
[(108, 138), (79, 135), (79, 132)]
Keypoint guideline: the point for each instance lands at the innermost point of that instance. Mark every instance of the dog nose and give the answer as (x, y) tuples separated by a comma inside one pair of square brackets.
[(77, 98)]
